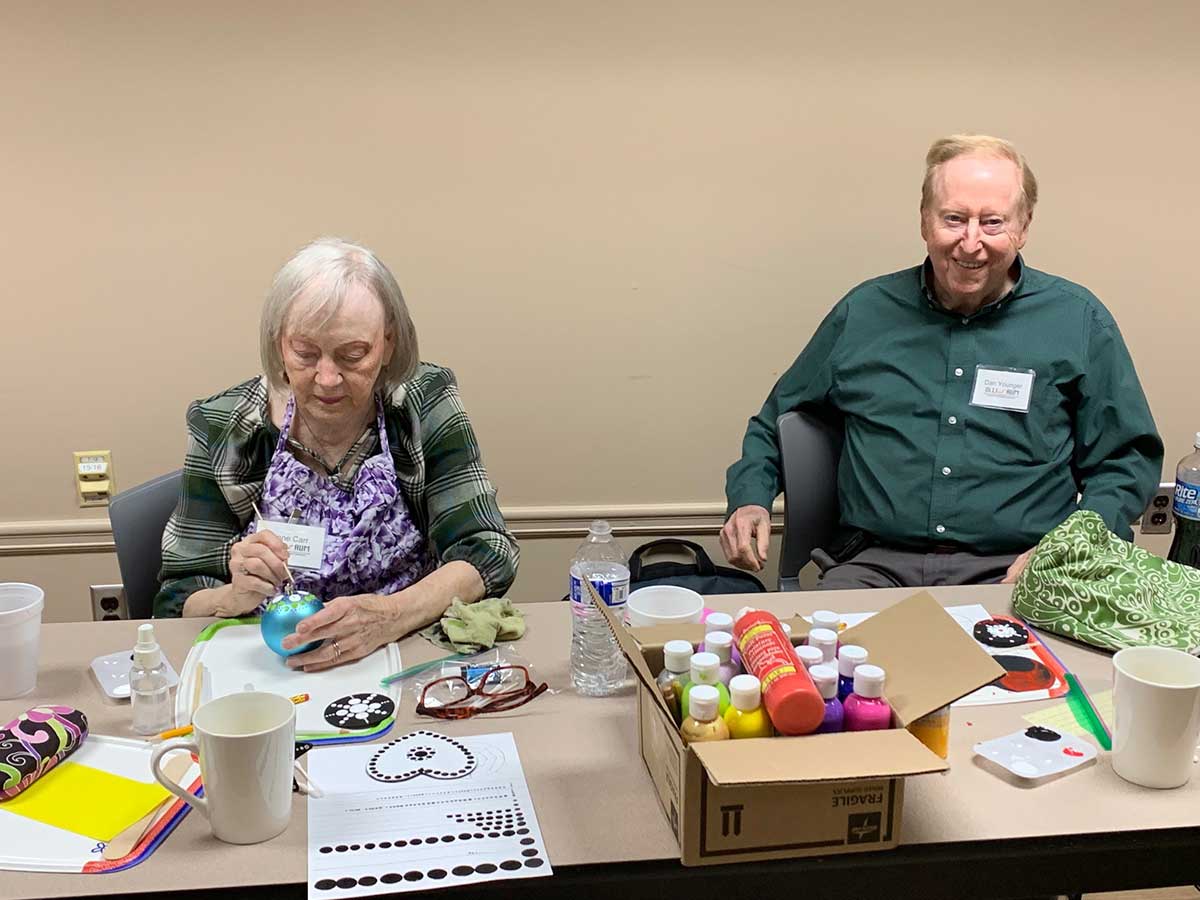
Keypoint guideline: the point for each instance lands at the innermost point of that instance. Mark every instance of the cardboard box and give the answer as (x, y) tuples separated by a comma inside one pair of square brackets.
[(773, 798)]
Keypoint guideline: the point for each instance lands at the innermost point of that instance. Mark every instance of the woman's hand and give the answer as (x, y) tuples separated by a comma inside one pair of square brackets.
[(352, 627), (258, 564)]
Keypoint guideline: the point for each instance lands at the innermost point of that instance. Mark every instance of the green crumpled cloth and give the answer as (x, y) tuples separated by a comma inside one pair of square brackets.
[(1085, 583), (471, 627)]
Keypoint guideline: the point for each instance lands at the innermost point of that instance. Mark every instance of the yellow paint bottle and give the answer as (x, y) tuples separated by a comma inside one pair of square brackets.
[(746, 717), (704, 722)]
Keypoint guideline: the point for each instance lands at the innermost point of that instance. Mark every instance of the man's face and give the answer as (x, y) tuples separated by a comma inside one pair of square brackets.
[(973, 229)]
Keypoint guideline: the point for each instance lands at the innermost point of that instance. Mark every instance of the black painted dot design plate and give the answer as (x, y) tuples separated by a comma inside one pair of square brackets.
[(421, 753), (359, 711), (1001, 633)]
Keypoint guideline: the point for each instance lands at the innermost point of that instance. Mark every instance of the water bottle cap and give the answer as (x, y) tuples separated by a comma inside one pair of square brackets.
[(810, 656), (850, 656), (677, 656), (720, 643), (745, 692), (703, 702), (825, 618), (868, 681), (599, 526), (718, 621), (826, 679), (825, 640), (705, 667), (146, 653), (1196, 443)]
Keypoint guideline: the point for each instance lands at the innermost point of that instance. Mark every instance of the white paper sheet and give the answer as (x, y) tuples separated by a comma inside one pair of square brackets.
[(422, 811)]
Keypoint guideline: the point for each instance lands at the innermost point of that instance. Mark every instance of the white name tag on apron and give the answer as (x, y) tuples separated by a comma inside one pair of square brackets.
[(997, 388), (305, 543)]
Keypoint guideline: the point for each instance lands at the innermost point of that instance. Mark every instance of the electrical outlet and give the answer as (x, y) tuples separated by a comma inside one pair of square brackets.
[(108, 603), (1157, 517)]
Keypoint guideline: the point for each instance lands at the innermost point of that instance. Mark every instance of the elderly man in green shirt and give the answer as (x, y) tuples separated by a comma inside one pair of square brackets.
[(982, 401)]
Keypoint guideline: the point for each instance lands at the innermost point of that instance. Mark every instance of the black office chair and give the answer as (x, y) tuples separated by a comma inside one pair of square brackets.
[(809, 448), (138, 517)]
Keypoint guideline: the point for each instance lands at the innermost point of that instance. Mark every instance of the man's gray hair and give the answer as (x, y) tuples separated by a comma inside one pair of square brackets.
[(322, 273), (945, 149)]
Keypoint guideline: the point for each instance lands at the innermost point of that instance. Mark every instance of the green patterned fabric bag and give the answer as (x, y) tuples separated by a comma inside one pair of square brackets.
[(1085, 583)]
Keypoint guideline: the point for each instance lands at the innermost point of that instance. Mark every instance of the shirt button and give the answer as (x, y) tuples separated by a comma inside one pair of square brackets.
[(953, 420), (958, 373), (941, 529), (966, 321), (945, 470)]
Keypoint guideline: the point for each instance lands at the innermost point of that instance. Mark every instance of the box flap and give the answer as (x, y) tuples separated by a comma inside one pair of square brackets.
[(817, 757), (929, 659), (657, 635), (629, 647)]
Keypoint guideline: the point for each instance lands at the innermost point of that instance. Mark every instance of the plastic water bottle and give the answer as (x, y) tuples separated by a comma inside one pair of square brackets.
[(1186, 546), (598, 667), (149, 693)]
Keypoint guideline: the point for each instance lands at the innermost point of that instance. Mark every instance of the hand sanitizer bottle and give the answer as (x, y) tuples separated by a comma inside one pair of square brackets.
[(149, 693)]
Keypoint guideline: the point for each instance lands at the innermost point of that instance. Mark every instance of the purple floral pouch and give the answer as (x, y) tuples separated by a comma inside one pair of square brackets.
[(35, 742)]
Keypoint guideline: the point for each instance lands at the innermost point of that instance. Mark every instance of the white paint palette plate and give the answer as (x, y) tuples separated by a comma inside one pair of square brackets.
[(1037, 752), (32, 846), (231, 656), (112, 673)]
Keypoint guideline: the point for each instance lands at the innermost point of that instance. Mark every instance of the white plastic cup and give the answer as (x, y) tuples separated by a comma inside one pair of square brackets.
[(20, 633), (1156, 704), (664, 604)]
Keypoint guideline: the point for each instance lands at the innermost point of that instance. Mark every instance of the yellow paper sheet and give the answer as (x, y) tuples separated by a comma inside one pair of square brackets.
[(86, 801), (1060, 718)]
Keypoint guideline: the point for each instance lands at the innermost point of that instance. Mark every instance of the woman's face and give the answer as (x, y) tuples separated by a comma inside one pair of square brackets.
[(333, 368)]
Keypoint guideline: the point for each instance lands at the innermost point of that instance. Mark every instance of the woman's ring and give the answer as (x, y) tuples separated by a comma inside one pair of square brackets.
[(337, 651)]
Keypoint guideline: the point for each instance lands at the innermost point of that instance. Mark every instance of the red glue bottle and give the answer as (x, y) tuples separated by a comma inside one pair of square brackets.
[(792, 700)]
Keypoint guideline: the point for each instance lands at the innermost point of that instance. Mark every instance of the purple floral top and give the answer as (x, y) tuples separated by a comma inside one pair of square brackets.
[(372, 545)]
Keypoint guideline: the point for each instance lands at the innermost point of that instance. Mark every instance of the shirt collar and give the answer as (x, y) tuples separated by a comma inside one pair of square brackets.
[(926, 278)]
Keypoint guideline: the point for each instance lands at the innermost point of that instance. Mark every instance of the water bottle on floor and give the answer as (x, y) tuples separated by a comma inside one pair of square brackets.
[(1185, 548), (598, 667)]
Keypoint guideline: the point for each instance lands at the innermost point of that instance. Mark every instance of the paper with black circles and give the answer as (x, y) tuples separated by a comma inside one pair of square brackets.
[(422, 811)]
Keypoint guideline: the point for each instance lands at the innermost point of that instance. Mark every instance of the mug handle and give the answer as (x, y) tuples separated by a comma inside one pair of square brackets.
[(179, 791)]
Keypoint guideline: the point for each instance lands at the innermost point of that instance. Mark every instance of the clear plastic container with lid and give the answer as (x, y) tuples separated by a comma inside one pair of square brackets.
[(149, 689)]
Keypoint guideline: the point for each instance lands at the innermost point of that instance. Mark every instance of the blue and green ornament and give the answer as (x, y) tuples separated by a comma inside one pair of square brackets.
[(283, 613)]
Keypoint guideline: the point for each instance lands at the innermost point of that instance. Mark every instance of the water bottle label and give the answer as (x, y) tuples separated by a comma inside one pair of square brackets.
[(613, 594), (1187, 500)]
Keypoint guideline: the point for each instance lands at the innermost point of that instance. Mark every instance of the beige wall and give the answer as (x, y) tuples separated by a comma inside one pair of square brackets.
[(617, 222)]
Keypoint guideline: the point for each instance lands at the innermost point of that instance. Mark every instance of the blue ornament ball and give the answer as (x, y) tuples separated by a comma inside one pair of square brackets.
[(283, 613)]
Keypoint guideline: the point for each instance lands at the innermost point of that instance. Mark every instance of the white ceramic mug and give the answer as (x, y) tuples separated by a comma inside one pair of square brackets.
[(246, 745), (1156, 702)]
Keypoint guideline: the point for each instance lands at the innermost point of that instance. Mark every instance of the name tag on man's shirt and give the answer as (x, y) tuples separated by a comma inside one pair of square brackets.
[(305, 543), (997, 388)]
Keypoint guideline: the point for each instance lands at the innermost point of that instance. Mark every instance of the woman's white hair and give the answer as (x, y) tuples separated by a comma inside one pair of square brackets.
[(321, 273)]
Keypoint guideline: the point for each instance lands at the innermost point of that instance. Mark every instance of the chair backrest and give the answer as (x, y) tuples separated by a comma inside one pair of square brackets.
[(138, 517), (809, 448)]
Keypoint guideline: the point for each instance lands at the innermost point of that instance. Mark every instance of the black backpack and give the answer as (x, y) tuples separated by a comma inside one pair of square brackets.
[(701, 576)]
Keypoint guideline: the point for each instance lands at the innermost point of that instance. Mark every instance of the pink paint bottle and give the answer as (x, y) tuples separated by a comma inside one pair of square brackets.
[(865, 709)]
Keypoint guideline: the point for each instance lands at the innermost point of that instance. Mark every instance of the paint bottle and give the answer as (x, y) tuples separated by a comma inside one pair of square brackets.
[(849, 658), (791, 699), (933, 730), (866, 710), (826, 641), (149, 691), (719, 621), (721, 643), (810, 656), (825, 618), (677, 657), (745, 717), (825, 677), (704, 722), (705, 668)]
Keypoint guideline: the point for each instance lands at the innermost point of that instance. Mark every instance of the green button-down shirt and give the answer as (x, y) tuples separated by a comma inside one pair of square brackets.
[(920, 463)]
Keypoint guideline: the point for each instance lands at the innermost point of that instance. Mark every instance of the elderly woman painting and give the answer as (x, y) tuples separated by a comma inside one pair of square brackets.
[(347, 432)]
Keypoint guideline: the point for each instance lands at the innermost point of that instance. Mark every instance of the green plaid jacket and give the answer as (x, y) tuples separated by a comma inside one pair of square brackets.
[(230, 443)]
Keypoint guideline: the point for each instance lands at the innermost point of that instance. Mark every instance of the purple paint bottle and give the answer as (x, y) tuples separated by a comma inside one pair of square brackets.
[(719, 621), (721, 643), (810, 656), (850, 657), (825, 677), (866, 710)]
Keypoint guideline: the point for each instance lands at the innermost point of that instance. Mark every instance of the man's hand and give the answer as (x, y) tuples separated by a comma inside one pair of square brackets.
[(746, 537), (1018, 566)]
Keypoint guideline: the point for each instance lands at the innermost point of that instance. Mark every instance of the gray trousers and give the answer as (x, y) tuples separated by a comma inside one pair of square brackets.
[(886, 567)]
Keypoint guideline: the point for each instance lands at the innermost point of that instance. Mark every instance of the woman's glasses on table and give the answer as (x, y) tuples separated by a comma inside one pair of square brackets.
[(499, 689)]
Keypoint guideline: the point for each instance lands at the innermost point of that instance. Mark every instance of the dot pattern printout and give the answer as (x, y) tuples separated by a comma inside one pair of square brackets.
[(419, 812)]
